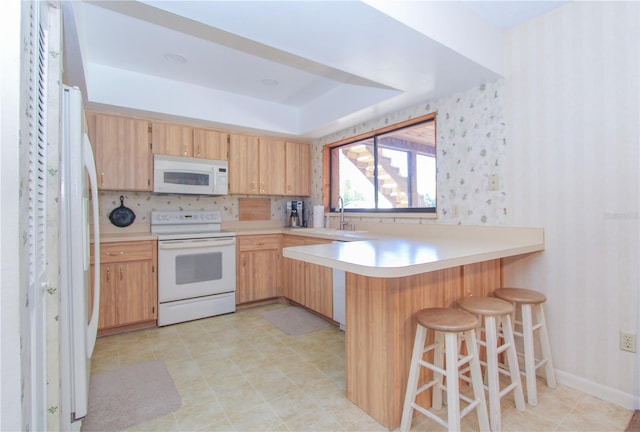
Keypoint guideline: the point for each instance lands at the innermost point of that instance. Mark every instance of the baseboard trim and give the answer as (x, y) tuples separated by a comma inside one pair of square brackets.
[(609, 394)]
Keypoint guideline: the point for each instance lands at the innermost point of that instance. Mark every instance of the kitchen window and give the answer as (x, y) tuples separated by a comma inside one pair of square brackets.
[(391, 170)]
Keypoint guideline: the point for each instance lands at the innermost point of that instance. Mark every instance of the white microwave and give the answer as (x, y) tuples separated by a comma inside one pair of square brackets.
[(185, 175)]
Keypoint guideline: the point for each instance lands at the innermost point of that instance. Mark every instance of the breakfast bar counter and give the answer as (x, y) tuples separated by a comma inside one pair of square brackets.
[(389, 277)]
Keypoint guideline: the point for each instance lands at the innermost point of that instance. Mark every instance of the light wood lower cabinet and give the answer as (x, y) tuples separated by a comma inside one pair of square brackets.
[(128, 286), (319, 285), (308, 284), (258, 268), (293, 272)]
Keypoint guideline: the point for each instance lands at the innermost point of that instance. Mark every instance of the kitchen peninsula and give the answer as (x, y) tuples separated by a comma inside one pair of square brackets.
[(390, 276)]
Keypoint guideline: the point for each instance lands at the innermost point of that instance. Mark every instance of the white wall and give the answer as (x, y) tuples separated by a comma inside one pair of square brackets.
[(10, 367), (572, 160), (561, 132)]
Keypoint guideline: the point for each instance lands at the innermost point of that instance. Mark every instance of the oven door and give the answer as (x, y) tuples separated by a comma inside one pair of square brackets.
[(196, 268)]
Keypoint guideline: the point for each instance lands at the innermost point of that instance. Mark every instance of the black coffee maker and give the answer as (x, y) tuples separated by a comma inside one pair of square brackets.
[(295, 209)]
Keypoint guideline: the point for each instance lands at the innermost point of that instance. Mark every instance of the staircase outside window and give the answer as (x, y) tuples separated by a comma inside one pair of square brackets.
[(390, 171)]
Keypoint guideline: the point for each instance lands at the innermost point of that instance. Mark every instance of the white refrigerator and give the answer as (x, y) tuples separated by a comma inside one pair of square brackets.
[(78, 315)]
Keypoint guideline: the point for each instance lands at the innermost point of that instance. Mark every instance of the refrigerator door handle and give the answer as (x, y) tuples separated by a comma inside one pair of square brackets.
[(90, 165)]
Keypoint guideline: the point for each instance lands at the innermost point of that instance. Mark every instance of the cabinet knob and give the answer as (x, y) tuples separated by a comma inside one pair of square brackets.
[(115, 253), (108, 274), (121, 272), (258, 244)]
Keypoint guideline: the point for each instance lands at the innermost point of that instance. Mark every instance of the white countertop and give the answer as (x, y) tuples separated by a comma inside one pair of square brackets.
[(388, 257)]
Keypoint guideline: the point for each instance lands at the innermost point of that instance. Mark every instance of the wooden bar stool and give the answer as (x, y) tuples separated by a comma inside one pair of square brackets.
[(496, 315), (530, 301), (449, 325)]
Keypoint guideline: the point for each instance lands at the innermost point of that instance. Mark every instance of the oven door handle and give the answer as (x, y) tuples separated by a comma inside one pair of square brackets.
[(195, 243)]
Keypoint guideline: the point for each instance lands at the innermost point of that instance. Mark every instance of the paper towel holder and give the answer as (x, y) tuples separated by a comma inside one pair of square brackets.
[(318, 216)]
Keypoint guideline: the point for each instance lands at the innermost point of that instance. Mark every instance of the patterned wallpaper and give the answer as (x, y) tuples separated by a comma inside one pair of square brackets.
[(471, 146), (53, 223)]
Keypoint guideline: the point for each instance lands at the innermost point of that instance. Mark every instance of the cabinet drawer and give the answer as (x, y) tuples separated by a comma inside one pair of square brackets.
[(125, 251), (250, 243)]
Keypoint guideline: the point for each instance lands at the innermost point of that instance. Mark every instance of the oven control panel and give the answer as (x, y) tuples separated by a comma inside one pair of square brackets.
[(178, 217)]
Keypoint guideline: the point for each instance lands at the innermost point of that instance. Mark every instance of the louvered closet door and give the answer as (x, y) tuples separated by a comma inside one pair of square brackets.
[(36, 116)]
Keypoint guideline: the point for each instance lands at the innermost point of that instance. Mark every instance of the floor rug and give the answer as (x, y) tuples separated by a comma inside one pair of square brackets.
[(294, 320), (130, 395), (634, 423)]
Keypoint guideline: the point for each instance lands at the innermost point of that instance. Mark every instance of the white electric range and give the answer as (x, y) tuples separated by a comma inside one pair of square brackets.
[(196, 265)]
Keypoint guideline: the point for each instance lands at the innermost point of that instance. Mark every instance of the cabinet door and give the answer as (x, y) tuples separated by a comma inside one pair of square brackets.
[(210, 144), (108, 316), (172, 139), (257, 275), (128, 287), (136, 300), (297, 169), (258, 268), (271, 172), (319, 286), (293, 272), (123, 155), (243, 164)]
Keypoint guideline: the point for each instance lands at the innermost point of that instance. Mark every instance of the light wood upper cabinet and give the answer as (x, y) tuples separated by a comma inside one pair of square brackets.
[(243, 164), (210, 144), (124, 161), (272, 161), (298, 169), (172, 139), (124, 149), (256, 165), (181, 140)]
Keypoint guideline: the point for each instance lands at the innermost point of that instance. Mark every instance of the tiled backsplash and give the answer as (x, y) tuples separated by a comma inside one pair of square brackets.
[(142, 203)]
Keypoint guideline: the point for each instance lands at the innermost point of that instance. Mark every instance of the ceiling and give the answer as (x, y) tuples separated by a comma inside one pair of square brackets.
[(296, 68)]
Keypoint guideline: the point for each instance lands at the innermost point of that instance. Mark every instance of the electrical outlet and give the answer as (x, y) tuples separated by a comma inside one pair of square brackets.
[(494, 184), (628, 341)]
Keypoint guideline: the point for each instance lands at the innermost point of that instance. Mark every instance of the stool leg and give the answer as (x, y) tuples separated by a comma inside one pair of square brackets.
[(438, 361), (476, 380), (493, 375), (529, 355), (545, 347), (453, 390), (512, 357), (412, 381)]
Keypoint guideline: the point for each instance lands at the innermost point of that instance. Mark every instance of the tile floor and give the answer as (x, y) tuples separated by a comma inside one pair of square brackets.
[(238, 372)]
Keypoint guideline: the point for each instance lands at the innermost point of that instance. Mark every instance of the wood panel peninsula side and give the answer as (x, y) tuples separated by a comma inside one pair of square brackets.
[(392, 275)]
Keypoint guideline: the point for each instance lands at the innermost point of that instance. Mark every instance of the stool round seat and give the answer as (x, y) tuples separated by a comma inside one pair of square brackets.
[(486, 306), (450, 328), (520, 295), (446, 319), (530, 304)]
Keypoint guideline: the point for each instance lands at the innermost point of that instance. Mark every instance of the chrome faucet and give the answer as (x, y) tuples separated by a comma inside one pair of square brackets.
[(340, 206)]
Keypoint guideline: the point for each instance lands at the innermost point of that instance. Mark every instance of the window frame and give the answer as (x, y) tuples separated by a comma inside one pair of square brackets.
[(327, 169)]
